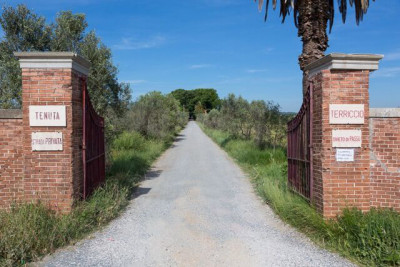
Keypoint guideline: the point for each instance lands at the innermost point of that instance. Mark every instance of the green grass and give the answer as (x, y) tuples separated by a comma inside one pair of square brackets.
[(371, 239), (30, 231)]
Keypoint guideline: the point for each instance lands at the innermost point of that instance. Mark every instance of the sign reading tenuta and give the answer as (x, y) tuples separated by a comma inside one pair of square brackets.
[(346, 138), (47, 116), (346, 114), (47, 141)]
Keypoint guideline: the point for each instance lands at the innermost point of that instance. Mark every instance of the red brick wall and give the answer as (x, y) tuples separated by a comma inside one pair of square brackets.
[(339, 184), (11, 161), (385, 162), (50, 175)]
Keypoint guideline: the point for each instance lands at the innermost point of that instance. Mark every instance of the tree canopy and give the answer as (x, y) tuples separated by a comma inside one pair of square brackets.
[(203, 99), (26, 31)]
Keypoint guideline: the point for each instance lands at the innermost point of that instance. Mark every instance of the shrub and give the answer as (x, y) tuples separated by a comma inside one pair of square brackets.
[(156, 115), (129, 141)]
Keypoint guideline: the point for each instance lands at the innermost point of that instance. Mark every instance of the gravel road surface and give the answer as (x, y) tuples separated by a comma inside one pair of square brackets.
[(195, 208)]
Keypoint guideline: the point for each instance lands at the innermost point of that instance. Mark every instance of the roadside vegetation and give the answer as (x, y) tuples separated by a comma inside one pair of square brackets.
[(29, 231), (254, 134)]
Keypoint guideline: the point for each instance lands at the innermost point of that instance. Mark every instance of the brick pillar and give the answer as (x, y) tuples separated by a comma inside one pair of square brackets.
[(341, 83), (50, 83)]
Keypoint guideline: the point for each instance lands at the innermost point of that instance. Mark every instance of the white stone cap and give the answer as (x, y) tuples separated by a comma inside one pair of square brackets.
[(53, 60), (338, 61), (384, 112)]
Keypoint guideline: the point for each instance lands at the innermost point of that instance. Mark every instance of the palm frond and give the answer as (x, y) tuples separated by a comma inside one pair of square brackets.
[(286, 6)]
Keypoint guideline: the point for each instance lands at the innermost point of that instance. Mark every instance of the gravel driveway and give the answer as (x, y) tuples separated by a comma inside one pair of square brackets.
[(195, 208)]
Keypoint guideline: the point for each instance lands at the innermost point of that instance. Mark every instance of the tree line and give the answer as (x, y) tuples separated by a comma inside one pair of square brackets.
[(258, 120), (197, 101)]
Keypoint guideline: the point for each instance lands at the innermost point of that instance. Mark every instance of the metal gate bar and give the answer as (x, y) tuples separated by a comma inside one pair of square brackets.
[(93, 147), (299, 148)]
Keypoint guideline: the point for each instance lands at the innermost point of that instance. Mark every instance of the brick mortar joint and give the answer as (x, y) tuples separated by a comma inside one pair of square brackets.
[(373, 156)]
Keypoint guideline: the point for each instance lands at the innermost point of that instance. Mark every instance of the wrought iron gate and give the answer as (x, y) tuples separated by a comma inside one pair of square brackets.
[(93, 145), (299, 148)]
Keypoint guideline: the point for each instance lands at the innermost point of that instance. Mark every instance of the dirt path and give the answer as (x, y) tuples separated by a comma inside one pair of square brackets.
[(196, 208)]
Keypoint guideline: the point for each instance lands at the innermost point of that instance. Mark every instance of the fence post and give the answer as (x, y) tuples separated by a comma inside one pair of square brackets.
[(52, 126), (340, 131)]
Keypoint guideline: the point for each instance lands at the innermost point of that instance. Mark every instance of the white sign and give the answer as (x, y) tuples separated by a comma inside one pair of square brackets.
[(47, 116), (346, 138), (47, 141), (345, 154), (346, 114)]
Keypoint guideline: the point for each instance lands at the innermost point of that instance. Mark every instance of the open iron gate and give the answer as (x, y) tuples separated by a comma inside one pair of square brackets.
[(93, 147), (299, 148)]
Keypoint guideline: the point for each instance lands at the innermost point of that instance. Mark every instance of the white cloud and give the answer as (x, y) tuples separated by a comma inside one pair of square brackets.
[(387, 72), (134, 44), (200, 66), (392, 56), (222, 3), (267, 50), (135, 81), (256, 70)]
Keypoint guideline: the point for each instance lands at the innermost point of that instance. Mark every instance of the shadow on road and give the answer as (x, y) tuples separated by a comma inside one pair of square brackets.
[(140, 191), (152, 174), (180, 137)]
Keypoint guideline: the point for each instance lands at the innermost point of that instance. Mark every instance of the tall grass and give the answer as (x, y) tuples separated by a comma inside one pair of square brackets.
[(30, 231), (371, 239)]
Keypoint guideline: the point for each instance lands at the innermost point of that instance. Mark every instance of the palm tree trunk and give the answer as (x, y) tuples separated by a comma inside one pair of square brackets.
[(312, 26)]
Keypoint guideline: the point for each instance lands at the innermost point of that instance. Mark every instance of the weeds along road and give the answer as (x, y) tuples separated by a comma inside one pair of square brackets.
[(195, 208)]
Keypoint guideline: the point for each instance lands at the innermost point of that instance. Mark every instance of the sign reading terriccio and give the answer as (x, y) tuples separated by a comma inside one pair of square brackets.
[(47, 141), (47, 116), (346, 114)]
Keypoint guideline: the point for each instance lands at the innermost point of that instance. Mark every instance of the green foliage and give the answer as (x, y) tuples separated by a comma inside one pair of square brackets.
[(204, 99), (23, 31), (129, 141), (372, 238), (258, 120), (155, 115), (29, 231), (26, 31), (68, 31)]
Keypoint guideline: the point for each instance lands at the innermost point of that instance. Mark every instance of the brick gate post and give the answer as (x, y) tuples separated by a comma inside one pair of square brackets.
[(341, 154), (52, 126)]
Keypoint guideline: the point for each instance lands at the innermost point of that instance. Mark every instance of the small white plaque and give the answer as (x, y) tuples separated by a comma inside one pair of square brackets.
[(47, 116), (346, 138), (47, 141), (346, 114), (345, 154)]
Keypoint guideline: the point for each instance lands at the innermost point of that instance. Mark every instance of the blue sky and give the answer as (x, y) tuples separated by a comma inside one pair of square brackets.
[(225, 44)]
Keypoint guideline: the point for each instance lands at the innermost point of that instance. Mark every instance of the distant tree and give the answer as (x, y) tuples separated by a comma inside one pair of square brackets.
[(199, 109), (186, 99), (155, 115), (311, 17), (259, 119), (26, 31), (189, 98), (213, 119), (235, 116)]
